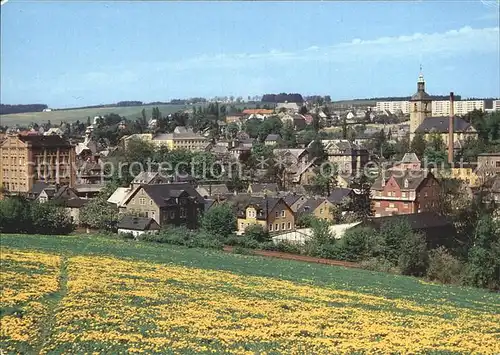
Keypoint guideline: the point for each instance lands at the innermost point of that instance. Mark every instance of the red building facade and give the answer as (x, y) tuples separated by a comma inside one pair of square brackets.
[(405, 192)]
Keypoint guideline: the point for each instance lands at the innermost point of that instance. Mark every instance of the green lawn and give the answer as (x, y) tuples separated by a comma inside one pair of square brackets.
[(380, 284), (100, 294), (130, 112)]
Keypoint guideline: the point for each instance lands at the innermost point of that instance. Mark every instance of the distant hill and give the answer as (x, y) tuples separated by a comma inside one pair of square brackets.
[(7, 109)]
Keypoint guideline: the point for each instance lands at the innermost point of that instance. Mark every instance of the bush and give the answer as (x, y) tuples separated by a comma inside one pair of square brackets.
[(284, 247), (413, 258), (257, 233), (184, 237), (128, 236), (358, 244), (242, 251), (379, 264), (219, 220), (444, 267)]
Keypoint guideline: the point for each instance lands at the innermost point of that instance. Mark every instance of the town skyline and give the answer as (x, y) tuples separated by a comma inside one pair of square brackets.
[(96, 53)]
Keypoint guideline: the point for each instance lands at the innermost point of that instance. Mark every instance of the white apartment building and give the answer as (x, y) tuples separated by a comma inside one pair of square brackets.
[(440, 107), (394, 106)]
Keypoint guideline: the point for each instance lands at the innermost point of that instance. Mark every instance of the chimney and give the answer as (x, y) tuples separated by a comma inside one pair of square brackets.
[(450, 129)]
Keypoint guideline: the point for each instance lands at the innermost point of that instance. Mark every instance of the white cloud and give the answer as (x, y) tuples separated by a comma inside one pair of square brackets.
[(453, 42)]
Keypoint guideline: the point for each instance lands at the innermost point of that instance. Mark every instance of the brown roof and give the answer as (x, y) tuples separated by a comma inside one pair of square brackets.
[(45, 141), (414, 178)]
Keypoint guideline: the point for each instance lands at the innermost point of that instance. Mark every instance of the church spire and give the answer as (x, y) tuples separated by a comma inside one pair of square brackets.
[(421, 76)]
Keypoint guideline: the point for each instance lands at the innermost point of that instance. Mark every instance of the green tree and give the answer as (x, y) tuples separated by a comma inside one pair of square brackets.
[(418, 145), (288, 136), (232, 130), (99, 214), (256, 232), (484, 256), (317, 152), (219, 220), (361, 202), (413, 258)]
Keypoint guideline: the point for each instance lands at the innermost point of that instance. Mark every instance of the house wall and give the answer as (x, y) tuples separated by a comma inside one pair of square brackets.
[(136, 233), (492, 162), (323, 211), (428, 195), (23, 164), (284, 223)]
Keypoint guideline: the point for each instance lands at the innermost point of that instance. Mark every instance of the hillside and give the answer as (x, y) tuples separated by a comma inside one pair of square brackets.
[(88, 294), (130, 112)]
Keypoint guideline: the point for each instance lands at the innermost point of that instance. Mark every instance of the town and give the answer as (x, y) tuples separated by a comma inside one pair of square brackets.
[(250, 177), (277, 172)]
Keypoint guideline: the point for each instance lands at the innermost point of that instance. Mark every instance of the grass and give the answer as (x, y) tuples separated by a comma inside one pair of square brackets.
[(70, 116), (73, 115), (115, 295)]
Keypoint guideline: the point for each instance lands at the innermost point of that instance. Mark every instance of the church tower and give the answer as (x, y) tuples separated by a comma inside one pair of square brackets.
[(420, 106)]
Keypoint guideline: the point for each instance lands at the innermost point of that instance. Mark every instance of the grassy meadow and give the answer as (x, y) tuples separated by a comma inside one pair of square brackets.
[(130, 112), (92, 294)]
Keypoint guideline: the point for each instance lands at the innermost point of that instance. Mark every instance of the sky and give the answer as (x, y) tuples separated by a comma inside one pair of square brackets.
[(77, 53)]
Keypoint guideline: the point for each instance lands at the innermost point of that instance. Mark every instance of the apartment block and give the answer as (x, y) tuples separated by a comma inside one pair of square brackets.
[(27, 159)]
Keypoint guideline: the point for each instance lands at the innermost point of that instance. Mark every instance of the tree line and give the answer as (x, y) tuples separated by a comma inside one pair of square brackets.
[(277, 98), (8, 109)]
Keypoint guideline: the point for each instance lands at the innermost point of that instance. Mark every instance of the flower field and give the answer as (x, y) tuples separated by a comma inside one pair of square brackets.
[(27, 279), (128, 303)]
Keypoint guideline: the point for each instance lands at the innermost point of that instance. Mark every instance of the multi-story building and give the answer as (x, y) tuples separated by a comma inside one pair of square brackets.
[(462, 107), (273, 214), (350, 158), (181, 138), (168, 204), (439, 107), (393, 106), (27, 159), (405, 192), (488, 165)]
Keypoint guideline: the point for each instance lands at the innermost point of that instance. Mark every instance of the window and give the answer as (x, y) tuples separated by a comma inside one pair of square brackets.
[(151, 202), (405, 205), (320, 210), (425, 194), (152, 214), (142, 201), (283, 213), (182, 212), (403, 194), (282, 226), (289, 225), (277, 214), (406, 183), (133, 201), (391, 205), (242, 226), (377, 204), (270, 227), (277, 226), (497, 164), (172, 214)]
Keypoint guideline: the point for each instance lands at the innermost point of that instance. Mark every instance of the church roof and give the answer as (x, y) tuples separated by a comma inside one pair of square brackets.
[(421, 96), (440, 125)]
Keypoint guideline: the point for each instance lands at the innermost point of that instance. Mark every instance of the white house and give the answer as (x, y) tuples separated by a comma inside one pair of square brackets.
[(137, 225)]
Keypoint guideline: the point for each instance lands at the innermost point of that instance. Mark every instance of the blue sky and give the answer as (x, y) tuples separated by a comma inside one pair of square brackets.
[(78, 53)]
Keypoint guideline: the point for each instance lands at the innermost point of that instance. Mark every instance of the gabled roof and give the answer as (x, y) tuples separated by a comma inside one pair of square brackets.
[(257, 188), (272, 137), (38, 187), (441, 124), (119, 195), (145, 177), (410, 158), (212, 190), (311, 205), (161, 193), (414, 178), (291, 199), (45, 141), (138, 223), (339, 194), (262, 205)]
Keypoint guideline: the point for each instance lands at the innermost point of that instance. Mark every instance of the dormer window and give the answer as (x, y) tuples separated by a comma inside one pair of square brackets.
[(406, 183)]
